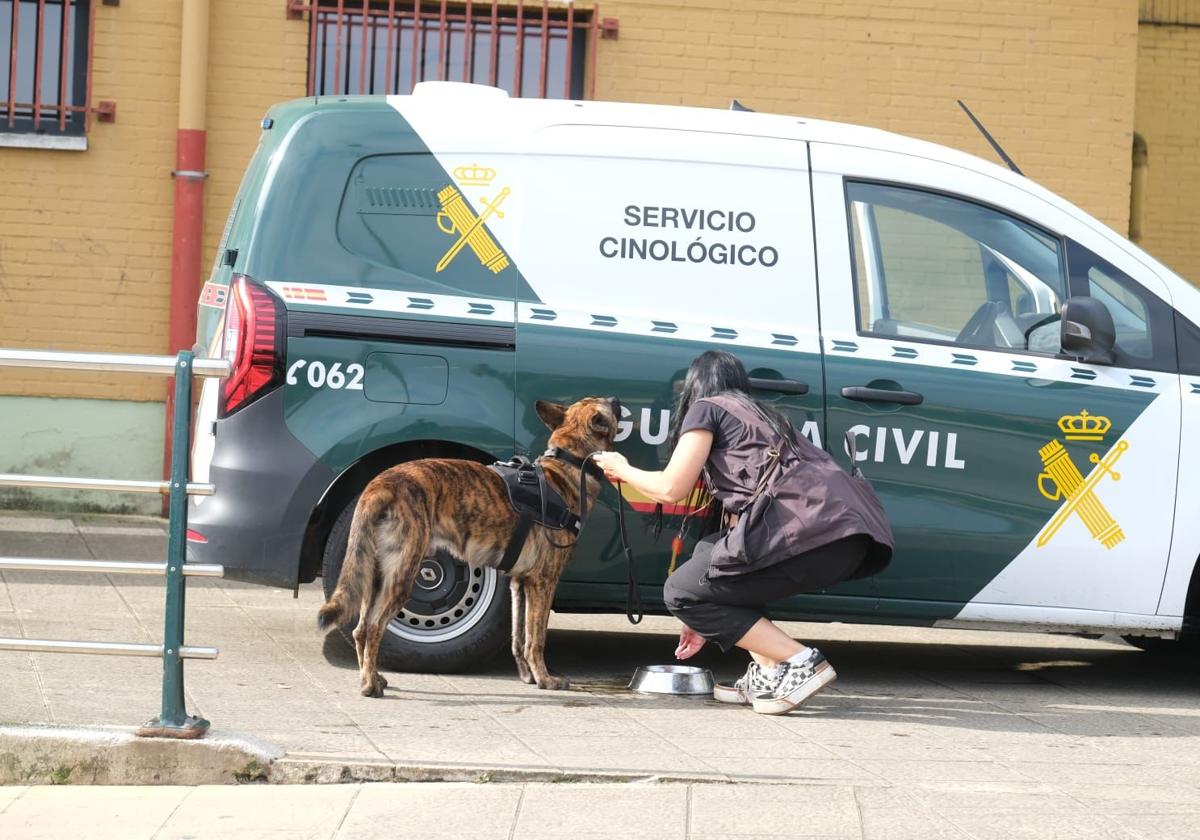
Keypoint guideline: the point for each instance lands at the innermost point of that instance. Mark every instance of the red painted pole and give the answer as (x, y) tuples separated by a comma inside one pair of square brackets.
[(188, 232), (188, 236)]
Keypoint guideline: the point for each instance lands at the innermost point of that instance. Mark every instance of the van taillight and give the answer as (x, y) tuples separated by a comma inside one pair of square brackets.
[(253, 344)]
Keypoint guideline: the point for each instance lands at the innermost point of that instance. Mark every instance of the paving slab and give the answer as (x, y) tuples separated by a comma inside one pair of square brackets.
[(54, 813), (245, 813), (557, 811), (486, 812)]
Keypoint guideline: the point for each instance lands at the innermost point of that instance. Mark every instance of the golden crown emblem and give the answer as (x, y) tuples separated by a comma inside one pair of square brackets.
[(1083, 426), (474, 175)]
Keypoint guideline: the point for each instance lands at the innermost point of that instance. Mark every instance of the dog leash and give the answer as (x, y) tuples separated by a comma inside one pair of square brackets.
[(633, 597)]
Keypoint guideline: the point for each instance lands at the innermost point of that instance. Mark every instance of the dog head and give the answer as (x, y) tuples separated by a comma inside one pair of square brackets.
[(585, 426)]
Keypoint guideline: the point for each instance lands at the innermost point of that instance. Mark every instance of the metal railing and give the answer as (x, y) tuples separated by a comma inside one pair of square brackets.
[(173, 720)]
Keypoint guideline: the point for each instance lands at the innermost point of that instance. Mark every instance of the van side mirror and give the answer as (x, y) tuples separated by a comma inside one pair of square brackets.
[(1088, 333)]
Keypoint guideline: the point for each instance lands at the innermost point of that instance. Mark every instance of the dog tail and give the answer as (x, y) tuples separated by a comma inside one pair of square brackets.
[(358, 566)]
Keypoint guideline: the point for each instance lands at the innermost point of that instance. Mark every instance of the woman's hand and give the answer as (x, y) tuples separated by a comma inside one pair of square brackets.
[(614, 464), (689, 643)]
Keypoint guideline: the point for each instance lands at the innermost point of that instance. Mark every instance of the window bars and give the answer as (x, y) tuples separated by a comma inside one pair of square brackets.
[(46, 73), (387, 46)]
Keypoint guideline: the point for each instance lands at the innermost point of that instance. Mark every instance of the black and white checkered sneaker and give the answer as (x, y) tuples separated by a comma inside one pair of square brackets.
[(756, 680), (798, 681)]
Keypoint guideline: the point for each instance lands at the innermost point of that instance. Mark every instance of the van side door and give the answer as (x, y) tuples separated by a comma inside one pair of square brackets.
[(1023, 485), (645, 247)]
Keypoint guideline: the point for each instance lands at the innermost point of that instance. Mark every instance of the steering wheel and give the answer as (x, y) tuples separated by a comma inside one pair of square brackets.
[(984, 317)]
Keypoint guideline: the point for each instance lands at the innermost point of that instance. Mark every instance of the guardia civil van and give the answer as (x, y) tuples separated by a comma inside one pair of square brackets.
[(402, 277)]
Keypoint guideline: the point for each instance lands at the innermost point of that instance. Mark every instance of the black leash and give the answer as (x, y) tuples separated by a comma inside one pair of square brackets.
[(586, 466), (633, 596)]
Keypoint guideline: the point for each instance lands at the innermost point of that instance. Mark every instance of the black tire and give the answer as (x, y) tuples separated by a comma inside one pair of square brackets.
[(428, 636)]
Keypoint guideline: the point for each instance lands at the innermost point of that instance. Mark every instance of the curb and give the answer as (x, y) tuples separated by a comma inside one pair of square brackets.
[(299, 769), (70, 755)]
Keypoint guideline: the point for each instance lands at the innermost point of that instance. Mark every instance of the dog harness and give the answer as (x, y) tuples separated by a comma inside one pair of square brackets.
[(535, 501)]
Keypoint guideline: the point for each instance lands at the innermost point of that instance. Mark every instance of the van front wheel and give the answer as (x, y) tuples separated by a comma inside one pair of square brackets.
[(456, 618)]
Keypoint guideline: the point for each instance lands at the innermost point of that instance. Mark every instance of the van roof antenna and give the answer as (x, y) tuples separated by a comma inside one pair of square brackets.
[(734, 105), (990, 139)]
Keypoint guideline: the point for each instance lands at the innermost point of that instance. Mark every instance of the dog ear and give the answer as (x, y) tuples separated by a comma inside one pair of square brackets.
[(552, 414), (599, 423)]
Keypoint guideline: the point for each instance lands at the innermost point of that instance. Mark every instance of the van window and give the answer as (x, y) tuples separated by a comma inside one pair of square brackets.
[(393, 213), (1187, 344), (1144, 323), (931, 267)]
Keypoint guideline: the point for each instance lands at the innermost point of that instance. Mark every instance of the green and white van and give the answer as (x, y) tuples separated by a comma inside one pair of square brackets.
[(402, 277)]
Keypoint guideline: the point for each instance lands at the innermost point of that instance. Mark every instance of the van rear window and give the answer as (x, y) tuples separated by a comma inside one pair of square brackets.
[(403, 212)]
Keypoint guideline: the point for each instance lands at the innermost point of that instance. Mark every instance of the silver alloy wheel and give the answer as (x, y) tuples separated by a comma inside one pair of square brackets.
[(448, 599)]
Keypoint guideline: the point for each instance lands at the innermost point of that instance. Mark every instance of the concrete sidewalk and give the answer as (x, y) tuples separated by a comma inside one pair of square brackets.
[(934, 811), (1055, 720), (696, 811)]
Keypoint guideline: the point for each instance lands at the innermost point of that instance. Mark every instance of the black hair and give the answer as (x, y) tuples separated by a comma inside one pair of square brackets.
[(718, 373)]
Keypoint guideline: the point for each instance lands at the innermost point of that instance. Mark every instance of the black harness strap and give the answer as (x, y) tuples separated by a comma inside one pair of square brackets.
[(531, 474), (535, 501), (516, 542)]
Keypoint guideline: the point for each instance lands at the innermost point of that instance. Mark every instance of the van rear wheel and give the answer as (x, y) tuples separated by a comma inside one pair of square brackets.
[(456, 618)]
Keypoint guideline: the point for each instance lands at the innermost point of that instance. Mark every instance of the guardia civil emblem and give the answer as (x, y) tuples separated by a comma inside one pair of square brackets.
[(456, 218), (1061, 479)]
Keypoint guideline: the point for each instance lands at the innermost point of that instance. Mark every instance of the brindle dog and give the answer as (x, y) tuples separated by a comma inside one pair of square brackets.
[(411, 510)]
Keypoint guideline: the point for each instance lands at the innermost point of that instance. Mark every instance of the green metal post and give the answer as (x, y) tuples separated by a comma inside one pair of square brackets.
[(174, 721)]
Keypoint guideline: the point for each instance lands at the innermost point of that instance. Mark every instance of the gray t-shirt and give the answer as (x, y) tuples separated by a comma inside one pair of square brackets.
[(726, 429)]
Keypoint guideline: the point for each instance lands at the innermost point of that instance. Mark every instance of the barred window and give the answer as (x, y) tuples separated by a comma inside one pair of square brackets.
[(387, 47), (44, 66)]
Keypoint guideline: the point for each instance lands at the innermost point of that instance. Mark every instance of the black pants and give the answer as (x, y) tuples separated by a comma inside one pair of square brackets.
[(722, 610)]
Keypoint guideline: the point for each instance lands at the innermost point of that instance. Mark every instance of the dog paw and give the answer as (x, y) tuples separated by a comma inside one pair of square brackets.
[(523, 673), (375, 687), (554, 683)]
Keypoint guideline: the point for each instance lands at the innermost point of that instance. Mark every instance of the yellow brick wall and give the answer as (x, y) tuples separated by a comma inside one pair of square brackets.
[(85, 238), (257, 57), (1168, 118), (1054, 82)]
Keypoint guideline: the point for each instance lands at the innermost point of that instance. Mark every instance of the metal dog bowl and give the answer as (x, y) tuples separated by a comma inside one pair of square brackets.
[(672, 679)]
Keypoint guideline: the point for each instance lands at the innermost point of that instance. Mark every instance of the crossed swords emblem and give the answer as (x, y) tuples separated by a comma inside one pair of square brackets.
[(456, 216), (1066, 481)]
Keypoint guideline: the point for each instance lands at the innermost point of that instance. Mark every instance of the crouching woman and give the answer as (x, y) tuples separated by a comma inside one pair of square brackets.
[(792, 521)]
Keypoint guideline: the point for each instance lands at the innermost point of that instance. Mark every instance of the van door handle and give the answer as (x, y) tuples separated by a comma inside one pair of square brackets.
[(780, 386), (864, 394)]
